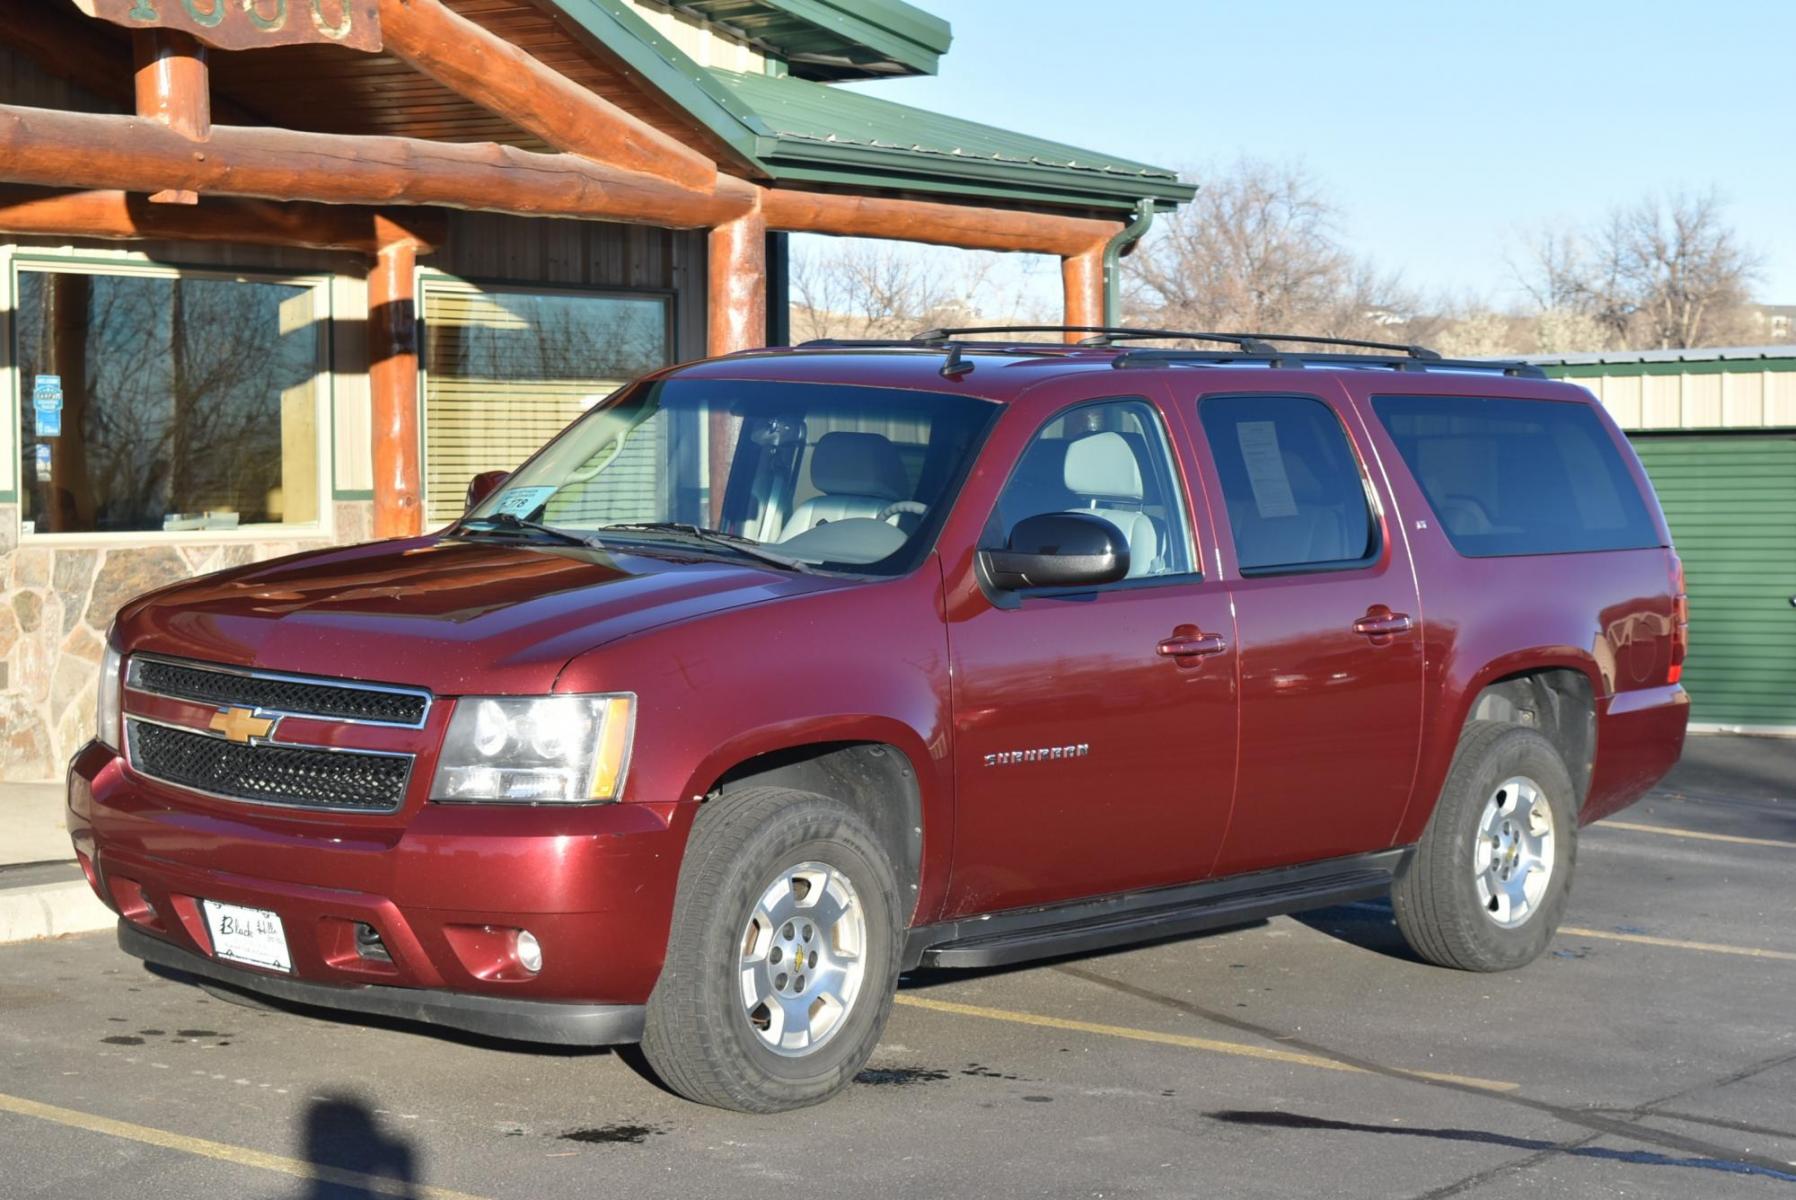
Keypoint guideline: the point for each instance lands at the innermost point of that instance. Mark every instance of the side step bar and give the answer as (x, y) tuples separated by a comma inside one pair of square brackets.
[(1082, 926)]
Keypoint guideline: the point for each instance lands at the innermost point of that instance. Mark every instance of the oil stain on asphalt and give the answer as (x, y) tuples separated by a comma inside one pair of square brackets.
[(899, 1076), (614, 1135)]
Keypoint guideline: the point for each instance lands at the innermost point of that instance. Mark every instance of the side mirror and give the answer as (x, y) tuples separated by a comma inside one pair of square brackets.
[(1058, 550), (484, 485)]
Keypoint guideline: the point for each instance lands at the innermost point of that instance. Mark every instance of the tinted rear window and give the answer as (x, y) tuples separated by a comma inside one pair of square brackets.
[(1518, 476)]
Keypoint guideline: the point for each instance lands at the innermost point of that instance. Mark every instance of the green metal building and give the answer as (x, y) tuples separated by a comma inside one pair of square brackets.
[(1716, 431)]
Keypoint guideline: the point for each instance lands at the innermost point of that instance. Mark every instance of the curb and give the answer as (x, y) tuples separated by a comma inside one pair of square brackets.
[(50, 910)]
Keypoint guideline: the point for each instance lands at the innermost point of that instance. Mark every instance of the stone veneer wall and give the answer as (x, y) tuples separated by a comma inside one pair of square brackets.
[(55, 606)]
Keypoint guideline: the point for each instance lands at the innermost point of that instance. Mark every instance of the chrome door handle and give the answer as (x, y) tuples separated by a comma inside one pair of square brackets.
[(1382, 624), (1192, 645)]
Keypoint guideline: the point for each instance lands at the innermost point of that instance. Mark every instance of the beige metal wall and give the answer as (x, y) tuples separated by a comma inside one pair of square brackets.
[(1744, 399)]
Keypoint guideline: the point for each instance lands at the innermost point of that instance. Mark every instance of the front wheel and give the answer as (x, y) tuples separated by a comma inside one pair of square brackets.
[(783, 956), (1488, 883)]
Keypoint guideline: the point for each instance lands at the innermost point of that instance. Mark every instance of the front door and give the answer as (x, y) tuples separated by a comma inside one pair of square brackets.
[(1094, 730), (1330, 631)]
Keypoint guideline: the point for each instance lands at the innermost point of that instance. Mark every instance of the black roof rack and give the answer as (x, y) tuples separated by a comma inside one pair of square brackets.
[(1241, 348)]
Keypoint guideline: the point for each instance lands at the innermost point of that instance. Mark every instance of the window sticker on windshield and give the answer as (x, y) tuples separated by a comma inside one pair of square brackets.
[(521, 502), (1266, 469)]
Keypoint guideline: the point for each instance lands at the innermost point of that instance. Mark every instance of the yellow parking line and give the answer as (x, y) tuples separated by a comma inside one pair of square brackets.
[(1238, 1049), (1677, 944), (241, 1156), (1695, 834)]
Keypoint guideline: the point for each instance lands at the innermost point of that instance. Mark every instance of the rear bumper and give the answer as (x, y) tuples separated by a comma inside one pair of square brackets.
[(492, 1016), (1639, 737)]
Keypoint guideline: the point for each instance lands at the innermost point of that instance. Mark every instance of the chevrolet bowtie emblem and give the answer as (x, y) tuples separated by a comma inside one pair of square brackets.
[(241, 724)]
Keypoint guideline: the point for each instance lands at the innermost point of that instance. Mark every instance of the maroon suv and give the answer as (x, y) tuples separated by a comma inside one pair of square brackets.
[(780, 674)]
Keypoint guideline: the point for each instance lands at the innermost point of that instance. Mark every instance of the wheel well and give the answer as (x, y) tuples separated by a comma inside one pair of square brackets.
[(874, 780), (1557, 701)]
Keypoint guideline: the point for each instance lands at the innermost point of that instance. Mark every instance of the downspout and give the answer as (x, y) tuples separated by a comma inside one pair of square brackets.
[(1121, 243)]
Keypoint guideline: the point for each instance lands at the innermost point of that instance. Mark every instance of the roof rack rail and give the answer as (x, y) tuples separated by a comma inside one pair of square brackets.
[(1154, 356), (1409, 349), (936, 336), (1240, 348)]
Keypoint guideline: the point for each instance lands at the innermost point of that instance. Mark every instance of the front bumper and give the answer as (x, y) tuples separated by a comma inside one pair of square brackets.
[(493, 1016), (443, 886)]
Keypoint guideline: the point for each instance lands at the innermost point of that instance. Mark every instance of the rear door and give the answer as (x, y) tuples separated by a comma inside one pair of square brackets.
[(1329, 623)]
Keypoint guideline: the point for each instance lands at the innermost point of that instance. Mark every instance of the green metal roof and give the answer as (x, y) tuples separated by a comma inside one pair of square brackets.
[(822, 134), (799, 131), (836, 39)]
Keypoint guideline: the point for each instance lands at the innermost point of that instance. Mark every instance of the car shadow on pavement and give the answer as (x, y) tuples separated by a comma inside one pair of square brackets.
[(354, 1158), (1368, 924), (1274, 1119)]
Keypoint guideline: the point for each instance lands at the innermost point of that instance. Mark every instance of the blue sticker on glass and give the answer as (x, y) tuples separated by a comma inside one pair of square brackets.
[(43, 463), (46, 404), (521, 502)]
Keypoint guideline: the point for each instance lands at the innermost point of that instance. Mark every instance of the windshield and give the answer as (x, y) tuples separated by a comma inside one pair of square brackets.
[(812, 475)]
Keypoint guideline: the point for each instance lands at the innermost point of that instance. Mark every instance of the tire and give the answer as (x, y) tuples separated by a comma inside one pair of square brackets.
[(1480, 909), (762, 853)]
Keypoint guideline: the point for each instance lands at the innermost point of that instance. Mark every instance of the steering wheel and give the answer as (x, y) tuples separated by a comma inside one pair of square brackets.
[(915, 507)]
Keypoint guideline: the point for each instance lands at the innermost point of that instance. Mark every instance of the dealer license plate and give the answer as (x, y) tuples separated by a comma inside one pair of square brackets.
[(247, 935)]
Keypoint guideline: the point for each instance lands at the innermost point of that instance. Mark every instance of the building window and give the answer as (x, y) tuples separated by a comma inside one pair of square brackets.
[(154, 402), (506, 370)]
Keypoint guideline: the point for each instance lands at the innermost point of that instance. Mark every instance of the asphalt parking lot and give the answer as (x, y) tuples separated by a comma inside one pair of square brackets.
[(1651, 1053)]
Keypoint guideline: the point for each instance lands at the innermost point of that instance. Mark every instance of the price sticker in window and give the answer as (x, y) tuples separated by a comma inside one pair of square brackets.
[(1266, 472), (521, 502)]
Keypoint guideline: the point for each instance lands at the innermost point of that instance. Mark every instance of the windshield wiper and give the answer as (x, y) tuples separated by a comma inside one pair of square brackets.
[(509, 523), (687, 531)]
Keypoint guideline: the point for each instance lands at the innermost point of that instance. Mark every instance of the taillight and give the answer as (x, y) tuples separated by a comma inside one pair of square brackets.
[(1680, 621)]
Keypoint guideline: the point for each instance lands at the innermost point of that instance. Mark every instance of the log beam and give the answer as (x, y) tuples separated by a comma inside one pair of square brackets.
[(81, 150), (965, 226), (116, 215), (1082, 283), (482, 67), (393, 384)]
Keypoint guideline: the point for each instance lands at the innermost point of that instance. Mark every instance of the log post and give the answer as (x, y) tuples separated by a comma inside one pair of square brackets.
[(393, 383), (1082, 278), (173, 89), (736, 320)]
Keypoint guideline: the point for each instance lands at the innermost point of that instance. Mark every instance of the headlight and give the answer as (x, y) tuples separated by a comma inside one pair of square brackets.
[(538, 750), (106, 707)]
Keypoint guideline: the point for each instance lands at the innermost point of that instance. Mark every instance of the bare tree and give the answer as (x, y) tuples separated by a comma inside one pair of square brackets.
[(1260, 249), (1663, 273), (874, 289)]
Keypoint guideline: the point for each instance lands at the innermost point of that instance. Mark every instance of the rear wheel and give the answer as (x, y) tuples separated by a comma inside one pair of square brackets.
[(1488, 883), (783, 956)]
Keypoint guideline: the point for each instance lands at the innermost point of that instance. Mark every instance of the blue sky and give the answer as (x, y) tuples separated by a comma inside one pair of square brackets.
[(1443, 131)]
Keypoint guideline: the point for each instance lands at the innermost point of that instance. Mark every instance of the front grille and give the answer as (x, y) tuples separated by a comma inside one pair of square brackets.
[(278, 693), (341, 780)]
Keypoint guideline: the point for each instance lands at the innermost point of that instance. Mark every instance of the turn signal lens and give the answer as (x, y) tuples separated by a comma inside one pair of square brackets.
[(106, 704)]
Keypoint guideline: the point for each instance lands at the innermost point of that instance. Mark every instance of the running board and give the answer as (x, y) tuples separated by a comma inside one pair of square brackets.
[(1082, 926)]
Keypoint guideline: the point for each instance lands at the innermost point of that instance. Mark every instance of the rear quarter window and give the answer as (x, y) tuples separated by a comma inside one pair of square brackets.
[(1512, 477)]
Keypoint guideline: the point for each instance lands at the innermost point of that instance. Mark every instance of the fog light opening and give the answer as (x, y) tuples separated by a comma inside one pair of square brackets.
[(368, 944), (529, 952)]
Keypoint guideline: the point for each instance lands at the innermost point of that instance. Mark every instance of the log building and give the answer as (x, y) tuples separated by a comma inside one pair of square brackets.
[(277, 274)]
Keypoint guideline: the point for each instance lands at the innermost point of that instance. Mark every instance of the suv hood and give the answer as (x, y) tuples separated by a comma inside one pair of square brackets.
[(454, 616)]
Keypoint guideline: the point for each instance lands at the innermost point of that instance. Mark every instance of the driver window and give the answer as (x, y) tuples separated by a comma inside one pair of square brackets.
[(1111, 460)]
